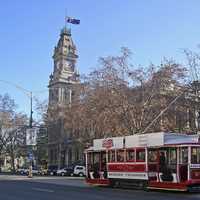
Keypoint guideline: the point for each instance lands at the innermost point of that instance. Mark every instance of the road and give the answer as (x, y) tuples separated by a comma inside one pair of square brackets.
[(17, 188)]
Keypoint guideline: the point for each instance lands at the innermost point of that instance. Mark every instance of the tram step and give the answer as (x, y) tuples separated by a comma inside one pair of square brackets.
[(135, 185)]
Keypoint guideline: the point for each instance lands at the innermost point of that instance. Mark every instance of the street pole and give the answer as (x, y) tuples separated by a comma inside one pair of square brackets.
[(31, 110), (30, 174)]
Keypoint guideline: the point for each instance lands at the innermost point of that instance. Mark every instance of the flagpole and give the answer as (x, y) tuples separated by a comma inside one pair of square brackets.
[(66, 17)]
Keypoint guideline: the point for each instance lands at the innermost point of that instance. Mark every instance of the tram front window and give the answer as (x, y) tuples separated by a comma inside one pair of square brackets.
[(195, 155)]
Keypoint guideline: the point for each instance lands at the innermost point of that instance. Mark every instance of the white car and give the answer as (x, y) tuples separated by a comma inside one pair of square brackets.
[(79, 170)]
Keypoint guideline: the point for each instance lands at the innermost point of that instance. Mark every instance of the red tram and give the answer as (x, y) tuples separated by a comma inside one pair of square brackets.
[(161, 160)]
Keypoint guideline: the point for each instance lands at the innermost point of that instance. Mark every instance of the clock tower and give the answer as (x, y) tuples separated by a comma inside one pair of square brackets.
[(62, 87), (65, 74)]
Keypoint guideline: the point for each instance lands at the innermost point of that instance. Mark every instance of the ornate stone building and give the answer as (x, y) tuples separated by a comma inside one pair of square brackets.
[(62, 150)]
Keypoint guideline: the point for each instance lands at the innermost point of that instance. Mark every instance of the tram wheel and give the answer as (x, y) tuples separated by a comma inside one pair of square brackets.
[(112, 183), (145, 186)]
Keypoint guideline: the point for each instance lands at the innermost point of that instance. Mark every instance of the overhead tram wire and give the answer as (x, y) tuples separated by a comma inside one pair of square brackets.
[(163, 111), (28, 93)]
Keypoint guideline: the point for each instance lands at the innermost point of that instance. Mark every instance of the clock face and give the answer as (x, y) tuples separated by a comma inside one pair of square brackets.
[(67, 64)]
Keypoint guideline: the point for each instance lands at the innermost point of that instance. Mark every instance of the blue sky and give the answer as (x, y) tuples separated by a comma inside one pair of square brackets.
[(30, 29)]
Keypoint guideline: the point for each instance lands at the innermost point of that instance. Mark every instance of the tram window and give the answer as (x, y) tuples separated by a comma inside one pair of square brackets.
[(140, 155), (111, 156), (183, 155), (152, 156), (93, 160), (103, 160), (89, 158), (195, 157), (103, 157), (172, 156), (130, 155), (96, 157), (120, 156)]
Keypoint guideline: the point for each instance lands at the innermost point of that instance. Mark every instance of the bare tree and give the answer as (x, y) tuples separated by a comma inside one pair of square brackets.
[(41, 109), (119, 99), (11, 123), (193, 64)]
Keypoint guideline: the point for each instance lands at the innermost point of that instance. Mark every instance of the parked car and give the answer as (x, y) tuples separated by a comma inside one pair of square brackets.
[(22, 171), (52, 170), (67, 171), (79, 170), (25, 171), (35, 171)]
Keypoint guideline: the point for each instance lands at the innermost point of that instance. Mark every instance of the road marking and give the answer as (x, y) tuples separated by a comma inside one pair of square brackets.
[(42, 190)]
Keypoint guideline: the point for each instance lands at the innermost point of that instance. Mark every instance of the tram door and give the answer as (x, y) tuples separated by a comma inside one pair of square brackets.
[(153, 164), (183, 163), (168, 164), (97, 165), (93, 165)]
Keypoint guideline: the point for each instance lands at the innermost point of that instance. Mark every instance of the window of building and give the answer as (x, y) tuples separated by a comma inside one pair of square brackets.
[(140, 155), (130, 155)]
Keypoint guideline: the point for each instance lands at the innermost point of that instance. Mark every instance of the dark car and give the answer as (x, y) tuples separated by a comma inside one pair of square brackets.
[(52, 170)]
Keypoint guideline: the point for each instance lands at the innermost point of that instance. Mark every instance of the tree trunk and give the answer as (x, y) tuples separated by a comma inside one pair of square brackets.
[(12, 160)]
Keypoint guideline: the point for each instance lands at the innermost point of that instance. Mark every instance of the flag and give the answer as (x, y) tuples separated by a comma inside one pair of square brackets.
[(73, 20)]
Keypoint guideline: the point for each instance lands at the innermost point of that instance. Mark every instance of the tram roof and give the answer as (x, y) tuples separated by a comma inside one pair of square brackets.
[(144, 140)]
